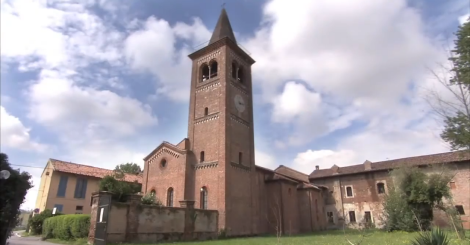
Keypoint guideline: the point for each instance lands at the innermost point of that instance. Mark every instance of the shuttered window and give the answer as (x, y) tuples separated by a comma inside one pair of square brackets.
[(80, 188), (62, 186)]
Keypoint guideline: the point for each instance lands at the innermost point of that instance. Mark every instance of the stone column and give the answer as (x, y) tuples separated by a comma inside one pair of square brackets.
[(95, 200), (189, 219), (133, 217)]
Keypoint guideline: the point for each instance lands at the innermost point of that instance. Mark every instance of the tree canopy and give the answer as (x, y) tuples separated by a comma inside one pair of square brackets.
[(457, 124), (12, 194), (129, 168), (115, 183), (410, 201)]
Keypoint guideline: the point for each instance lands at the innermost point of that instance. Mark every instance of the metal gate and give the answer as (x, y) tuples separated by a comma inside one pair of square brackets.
[(102, 220)]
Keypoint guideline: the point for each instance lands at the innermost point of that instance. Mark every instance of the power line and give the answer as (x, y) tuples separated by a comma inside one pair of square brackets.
[(25, 166)]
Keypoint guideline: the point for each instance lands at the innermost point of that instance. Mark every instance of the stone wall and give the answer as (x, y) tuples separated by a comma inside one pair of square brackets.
[(134, 222)]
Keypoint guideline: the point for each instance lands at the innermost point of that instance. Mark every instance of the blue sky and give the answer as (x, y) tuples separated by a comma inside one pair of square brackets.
[(104, 82)]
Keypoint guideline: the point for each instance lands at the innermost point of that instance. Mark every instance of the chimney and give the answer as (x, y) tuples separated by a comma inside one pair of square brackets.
[(367, 165), (317, 167)]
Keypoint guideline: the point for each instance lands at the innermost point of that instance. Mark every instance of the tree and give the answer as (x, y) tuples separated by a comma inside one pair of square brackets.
[(410, 201), (12, 194), (455, 111), (115, 183), (129, 168)]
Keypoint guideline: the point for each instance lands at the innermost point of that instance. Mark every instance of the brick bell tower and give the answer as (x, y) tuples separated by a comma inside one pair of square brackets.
[(220, 132)]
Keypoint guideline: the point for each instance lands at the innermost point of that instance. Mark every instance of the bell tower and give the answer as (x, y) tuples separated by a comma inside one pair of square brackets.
[(220, 132)]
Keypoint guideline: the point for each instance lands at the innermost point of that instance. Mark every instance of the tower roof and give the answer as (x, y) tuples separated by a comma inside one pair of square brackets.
[(222, 29)]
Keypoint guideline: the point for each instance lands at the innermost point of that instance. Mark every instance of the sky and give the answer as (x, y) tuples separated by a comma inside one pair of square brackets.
[(103, 82)]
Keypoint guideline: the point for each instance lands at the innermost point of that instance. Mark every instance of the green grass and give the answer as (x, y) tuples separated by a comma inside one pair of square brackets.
[(327, 238)]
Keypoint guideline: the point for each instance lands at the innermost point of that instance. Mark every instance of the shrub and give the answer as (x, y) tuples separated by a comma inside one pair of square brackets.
[(150, 199), (67, 227), (433, 237), (36, 222)]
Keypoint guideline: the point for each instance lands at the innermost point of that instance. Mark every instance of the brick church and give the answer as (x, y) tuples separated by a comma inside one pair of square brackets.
[(215, 165)]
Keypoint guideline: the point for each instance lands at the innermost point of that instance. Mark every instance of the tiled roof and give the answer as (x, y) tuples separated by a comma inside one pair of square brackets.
[(289, 172), (75, 168), (448, 157), (264, 169)]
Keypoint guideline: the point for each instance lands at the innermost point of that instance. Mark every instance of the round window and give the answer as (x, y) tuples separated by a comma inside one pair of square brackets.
[(163, 163)]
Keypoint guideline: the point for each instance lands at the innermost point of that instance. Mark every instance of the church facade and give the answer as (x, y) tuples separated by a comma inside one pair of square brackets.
[(215, 165)]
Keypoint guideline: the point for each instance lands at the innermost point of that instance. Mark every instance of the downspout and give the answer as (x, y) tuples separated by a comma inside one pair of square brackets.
[(310, 206), (342, 203), (147, 178), (282, 209)]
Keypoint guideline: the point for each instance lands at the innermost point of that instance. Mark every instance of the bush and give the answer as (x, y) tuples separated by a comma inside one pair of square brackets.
[(36, 222), (150, 199), (67, 227), (433, 237)]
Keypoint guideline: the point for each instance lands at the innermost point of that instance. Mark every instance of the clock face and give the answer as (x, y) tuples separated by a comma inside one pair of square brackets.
[(239, 103)]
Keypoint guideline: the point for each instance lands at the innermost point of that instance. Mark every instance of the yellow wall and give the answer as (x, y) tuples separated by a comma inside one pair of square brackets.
[(43, 192), (69, 202)]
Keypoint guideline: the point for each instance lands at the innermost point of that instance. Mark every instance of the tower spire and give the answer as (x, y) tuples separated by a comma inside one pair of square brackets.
[(222, 28)]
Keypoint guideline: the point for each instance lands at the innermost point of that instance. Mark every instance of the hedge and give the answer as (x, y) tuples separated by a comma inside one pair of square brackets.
[(36, 222), (66, 227)]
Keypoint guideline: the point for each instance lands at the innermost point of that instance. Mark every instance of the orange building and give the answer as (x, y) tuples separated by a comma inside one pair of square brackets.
[(68, 186)]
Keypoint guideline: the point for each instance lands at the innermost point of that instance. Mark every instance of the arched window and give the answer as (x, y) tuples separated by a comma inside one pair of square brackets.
[(201, 157), (240, 75), (204, 72), (213, 69), (169, 197), (163, 163), (240, 157), (153, 192), (206, 111), (234, 70), (381, 188), (203, 197)]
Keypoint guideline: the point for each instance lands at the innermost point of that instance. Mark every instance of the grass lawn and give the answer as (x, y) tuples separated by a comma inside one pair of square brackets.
[(326, 238)]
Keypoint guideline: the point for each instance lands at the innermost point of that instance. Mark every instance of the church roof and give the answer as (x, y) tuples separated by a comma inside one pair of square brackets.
[(222, 29), (441, 158), (294, 174)]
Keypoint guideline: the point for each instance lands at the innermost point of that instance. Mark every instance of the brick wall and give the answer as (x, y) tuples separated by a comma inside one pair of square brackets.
[(365, 196), (160, 177), (136, 223)]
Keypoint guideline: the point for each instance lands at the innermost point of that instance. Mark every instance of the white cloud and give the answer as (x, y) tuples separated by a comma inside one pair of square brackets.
[(60, 104), (152, 48), (360, 65), (308, 160), (372, 50), (265, 160), (368, 65), (464, 19), (15, 134), (75, 53)]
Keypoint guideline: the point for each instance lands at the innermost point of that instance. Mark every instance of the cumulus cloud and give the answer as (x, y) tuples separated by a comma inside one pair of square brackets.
[(15, 135), (364, 67), (266, 160), (152, 48), (59, 103), (308, 160), (77, 56)]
